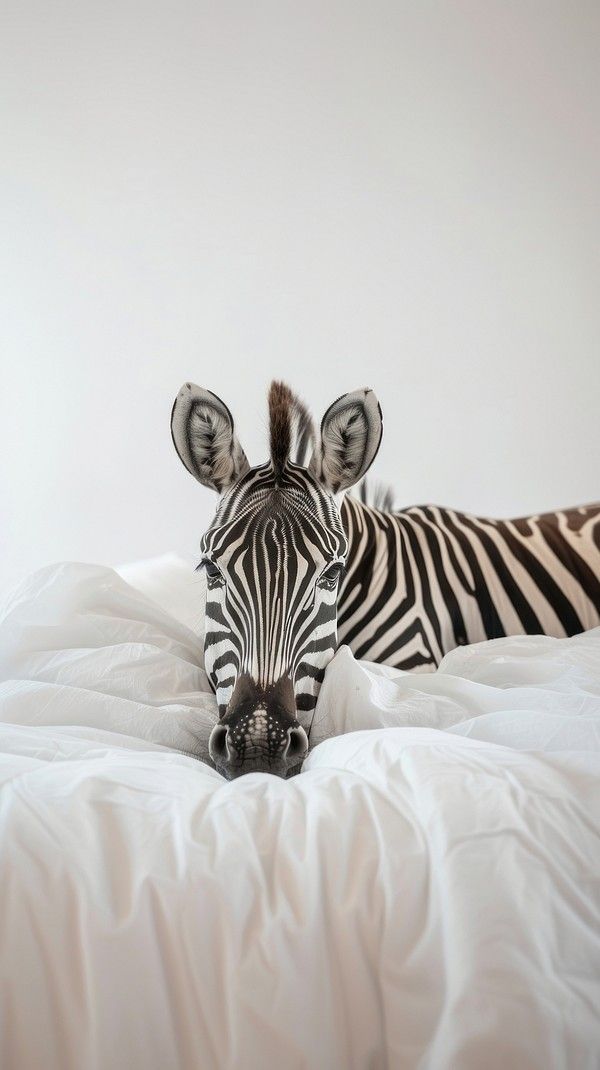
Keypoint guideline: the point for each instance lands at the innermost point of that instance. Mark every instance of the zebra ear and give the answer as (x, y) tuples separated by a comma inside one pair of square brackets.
[(204, 437), (351, 432)]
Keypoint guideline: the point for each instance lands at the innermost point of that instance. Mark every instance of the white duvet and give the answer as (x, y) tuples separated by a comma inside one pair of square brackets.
[(426, 893)]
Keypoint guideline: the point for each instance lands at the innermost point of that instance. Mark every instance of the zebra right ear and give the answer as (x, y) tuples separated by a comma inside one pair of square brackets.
[(351, 432), (204, 437)]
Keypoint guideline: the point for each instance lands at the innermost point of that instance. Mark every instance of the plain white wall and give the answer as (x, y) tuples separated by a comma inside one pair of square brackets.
[(396, 194)]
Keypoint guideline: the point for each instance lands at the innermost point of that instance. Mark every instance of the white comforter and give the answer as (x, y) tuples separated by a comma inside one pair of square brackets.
[(425, 894)]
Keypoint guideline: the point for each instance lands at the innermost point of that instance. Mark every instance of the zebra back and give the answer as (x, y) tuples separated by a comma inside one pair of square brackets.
[(423, 580)]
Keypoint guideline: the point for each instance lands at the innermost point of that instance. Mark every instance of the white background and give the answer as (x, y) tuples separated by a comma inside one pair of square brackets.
[(403, 195)]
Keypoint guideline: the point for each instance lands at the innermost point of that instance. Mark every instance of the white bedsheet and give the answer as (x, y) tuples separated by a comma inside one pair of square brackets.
[(426, 893)]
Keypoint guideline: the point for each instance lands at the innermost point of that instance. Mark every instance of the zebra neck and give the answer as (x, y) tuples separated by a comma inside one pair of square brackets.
[(373, 581)]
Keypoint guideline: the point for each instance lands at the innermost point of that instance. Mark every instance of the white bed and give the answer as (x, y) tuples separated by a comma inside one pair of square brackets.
[(426, 893)]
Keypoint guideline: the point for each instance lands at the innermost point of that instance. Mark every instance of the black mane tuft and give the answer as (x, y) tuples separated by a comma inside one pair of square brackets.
[(291, 428)]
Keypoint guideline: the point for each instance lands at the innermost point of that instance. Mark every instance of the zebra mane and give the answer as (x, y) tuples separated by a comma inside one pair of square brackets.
[(291, 429), (376, 496)]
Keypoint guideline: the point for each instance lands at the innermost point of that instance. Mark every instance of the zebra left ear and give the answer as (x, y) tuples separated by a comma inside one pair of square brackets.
[(204, 437), (351, 432)]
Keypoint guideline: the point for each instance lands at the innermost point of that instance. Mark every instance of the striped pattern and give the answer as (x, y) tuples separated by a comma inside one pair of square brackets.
[(273, 556), (424, 580), (417, 582)]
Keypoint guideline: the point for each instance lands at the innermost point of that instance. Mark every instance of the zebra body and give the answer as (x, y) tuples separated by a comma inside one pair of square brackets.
[(421, 581)]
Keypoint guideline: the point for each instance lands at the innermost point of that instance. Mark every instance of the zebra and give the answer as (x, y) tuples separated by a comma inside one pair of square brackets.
[(293, 563)]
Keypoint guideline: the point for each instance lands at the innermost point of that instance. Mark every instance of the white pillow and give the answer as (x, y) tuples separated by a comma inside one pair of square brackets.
[(171, 580)]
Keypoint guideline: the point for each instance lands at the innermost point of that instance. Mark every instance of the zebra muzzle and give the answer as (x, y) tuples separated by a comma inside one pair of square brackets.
[(259, 731)]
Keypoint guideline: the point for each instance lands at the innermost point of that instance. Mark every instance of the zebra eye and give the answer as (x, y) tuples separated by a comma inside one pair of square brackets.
[(213, 572), (330, 576)]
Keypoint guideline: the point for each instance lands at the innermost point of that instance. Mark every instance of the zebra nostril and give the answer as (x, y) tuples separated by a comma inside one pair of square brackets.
[(217, 744), (297, 745)]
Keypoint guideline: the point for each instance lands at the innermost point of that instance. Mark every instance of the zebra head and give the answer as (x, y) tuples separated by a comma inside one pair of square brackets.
[(273, 555)]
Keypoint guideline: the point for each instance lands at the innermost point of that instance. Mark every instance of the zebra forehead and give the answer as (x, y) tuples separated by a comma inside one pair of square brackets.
[(293, 528), (261, 508)]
